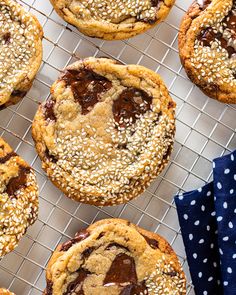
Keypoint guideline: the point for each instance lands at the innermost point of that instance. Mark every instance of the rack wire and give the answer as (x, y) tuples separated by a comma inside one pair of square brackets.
[(205, 130)]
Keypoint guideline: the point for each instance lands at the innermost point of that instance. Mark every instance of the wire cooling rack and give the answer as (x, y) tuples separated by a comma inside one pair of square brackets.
[(205, 129)]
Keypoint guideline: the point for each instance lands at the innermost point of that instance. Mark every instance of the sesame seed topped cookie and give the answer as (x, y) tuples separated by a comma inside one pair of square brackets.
[(115, 257), (113, 20), (20, 51), (18, 198), (106, 131), (207, 45), (5, 292)]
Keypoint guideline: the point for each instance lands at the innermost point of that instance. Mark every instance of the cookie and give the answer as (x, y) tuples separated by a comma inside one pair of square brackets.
[(106, 131), (207, 46), (5, 292), (21, 51), (113, 20), (18, 198), (115, 257)]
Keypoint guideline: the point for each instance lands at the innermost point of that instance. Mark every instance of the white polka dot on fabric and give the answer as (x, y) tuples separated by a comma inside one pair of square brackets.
[(185, 216), (226, 283), (230, 224), (234, 256), (212, 246), (193, 202), (221, 252), (181, 197), (209, 193), (201, 241), (219, 218), (234, 210), (227, 171), (234, 176), (214, 165), (200, 274), (225, 239), (214, 264), (195, 255), (231, 191), (197, 222), (218, 282), (205, 260), (210, 279), (208, 228), (200, 190), (213, 213), (190, 237), (232, 157), (219, 185), (205, 293), (203, 208), (229, 270), (225, 205)]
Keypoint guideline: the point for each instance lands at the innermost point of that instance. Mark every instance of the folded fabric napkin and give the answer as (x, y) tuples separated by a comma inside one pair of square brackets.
[(207, 219)]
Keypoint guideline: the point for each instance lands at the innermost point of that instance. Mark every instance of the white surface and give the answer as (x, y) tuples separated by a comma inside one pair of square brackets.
[(205, 129)]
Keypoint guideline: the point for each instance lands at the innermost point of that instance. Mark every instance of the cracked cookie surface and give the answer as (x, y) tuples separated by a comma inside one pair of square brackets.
[(115, 257), (207, 45), (21, 51), (18, 198), (106, 131), (113, 20)]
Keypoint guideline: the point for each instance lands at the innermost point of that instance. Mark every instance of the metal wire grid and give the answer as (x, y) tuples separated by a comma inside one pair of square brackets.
[(205, 129)]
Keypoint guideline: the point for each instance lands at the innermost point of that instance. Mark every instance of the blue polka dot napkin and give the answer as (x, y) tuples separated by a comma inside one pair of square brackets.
[(207, 219)]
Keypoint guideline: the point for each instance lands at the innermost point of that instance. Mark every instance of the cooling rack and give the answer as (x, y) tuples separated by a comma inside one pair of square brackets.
[(205, 130)]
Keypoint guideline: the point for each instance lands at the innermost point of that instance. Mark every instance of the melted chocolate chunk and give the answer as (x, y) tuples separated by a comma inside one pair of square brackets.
[(171, 273), (80, 236), (7, 37), (7, 157), (151, 242), (154, 3), (18, 93), (130, 104), (204, 3), (122, 271), (82, 275), (135, 289), (49, 110), (208, 35), (87, 87), (49, 288), (117, 246), (87, 252), (17, 182), (52, 158)]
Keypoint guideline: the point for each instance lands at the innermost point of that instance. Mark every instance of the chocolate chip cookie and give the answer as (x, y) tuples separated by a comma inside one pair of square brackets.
[(5, 292), (207, 45), (106, 131), (18, 198), (113, 20), (115, 257), (21, 51)]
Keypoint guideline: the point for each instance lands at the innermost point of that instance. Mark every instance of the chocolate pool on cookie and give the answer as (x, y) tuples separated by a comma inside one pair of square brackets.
[(115, 257), (106, 131), (113, 20), (207, 45)]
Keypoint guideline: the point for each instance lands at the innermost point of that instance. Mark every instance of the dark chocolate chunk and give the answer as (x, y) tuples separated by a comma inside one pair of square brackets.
[(171, 273), (49, 288), (18, 93), (7, 37), (151, 242), (17, 182), (80, 236), (52, 158), (134, 289), (82, 275), (155, 3), (48, 108), (230, 21), (122, 271), (7, 157), (87, 252), (171, 104), (87, 87), (130, 104)]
